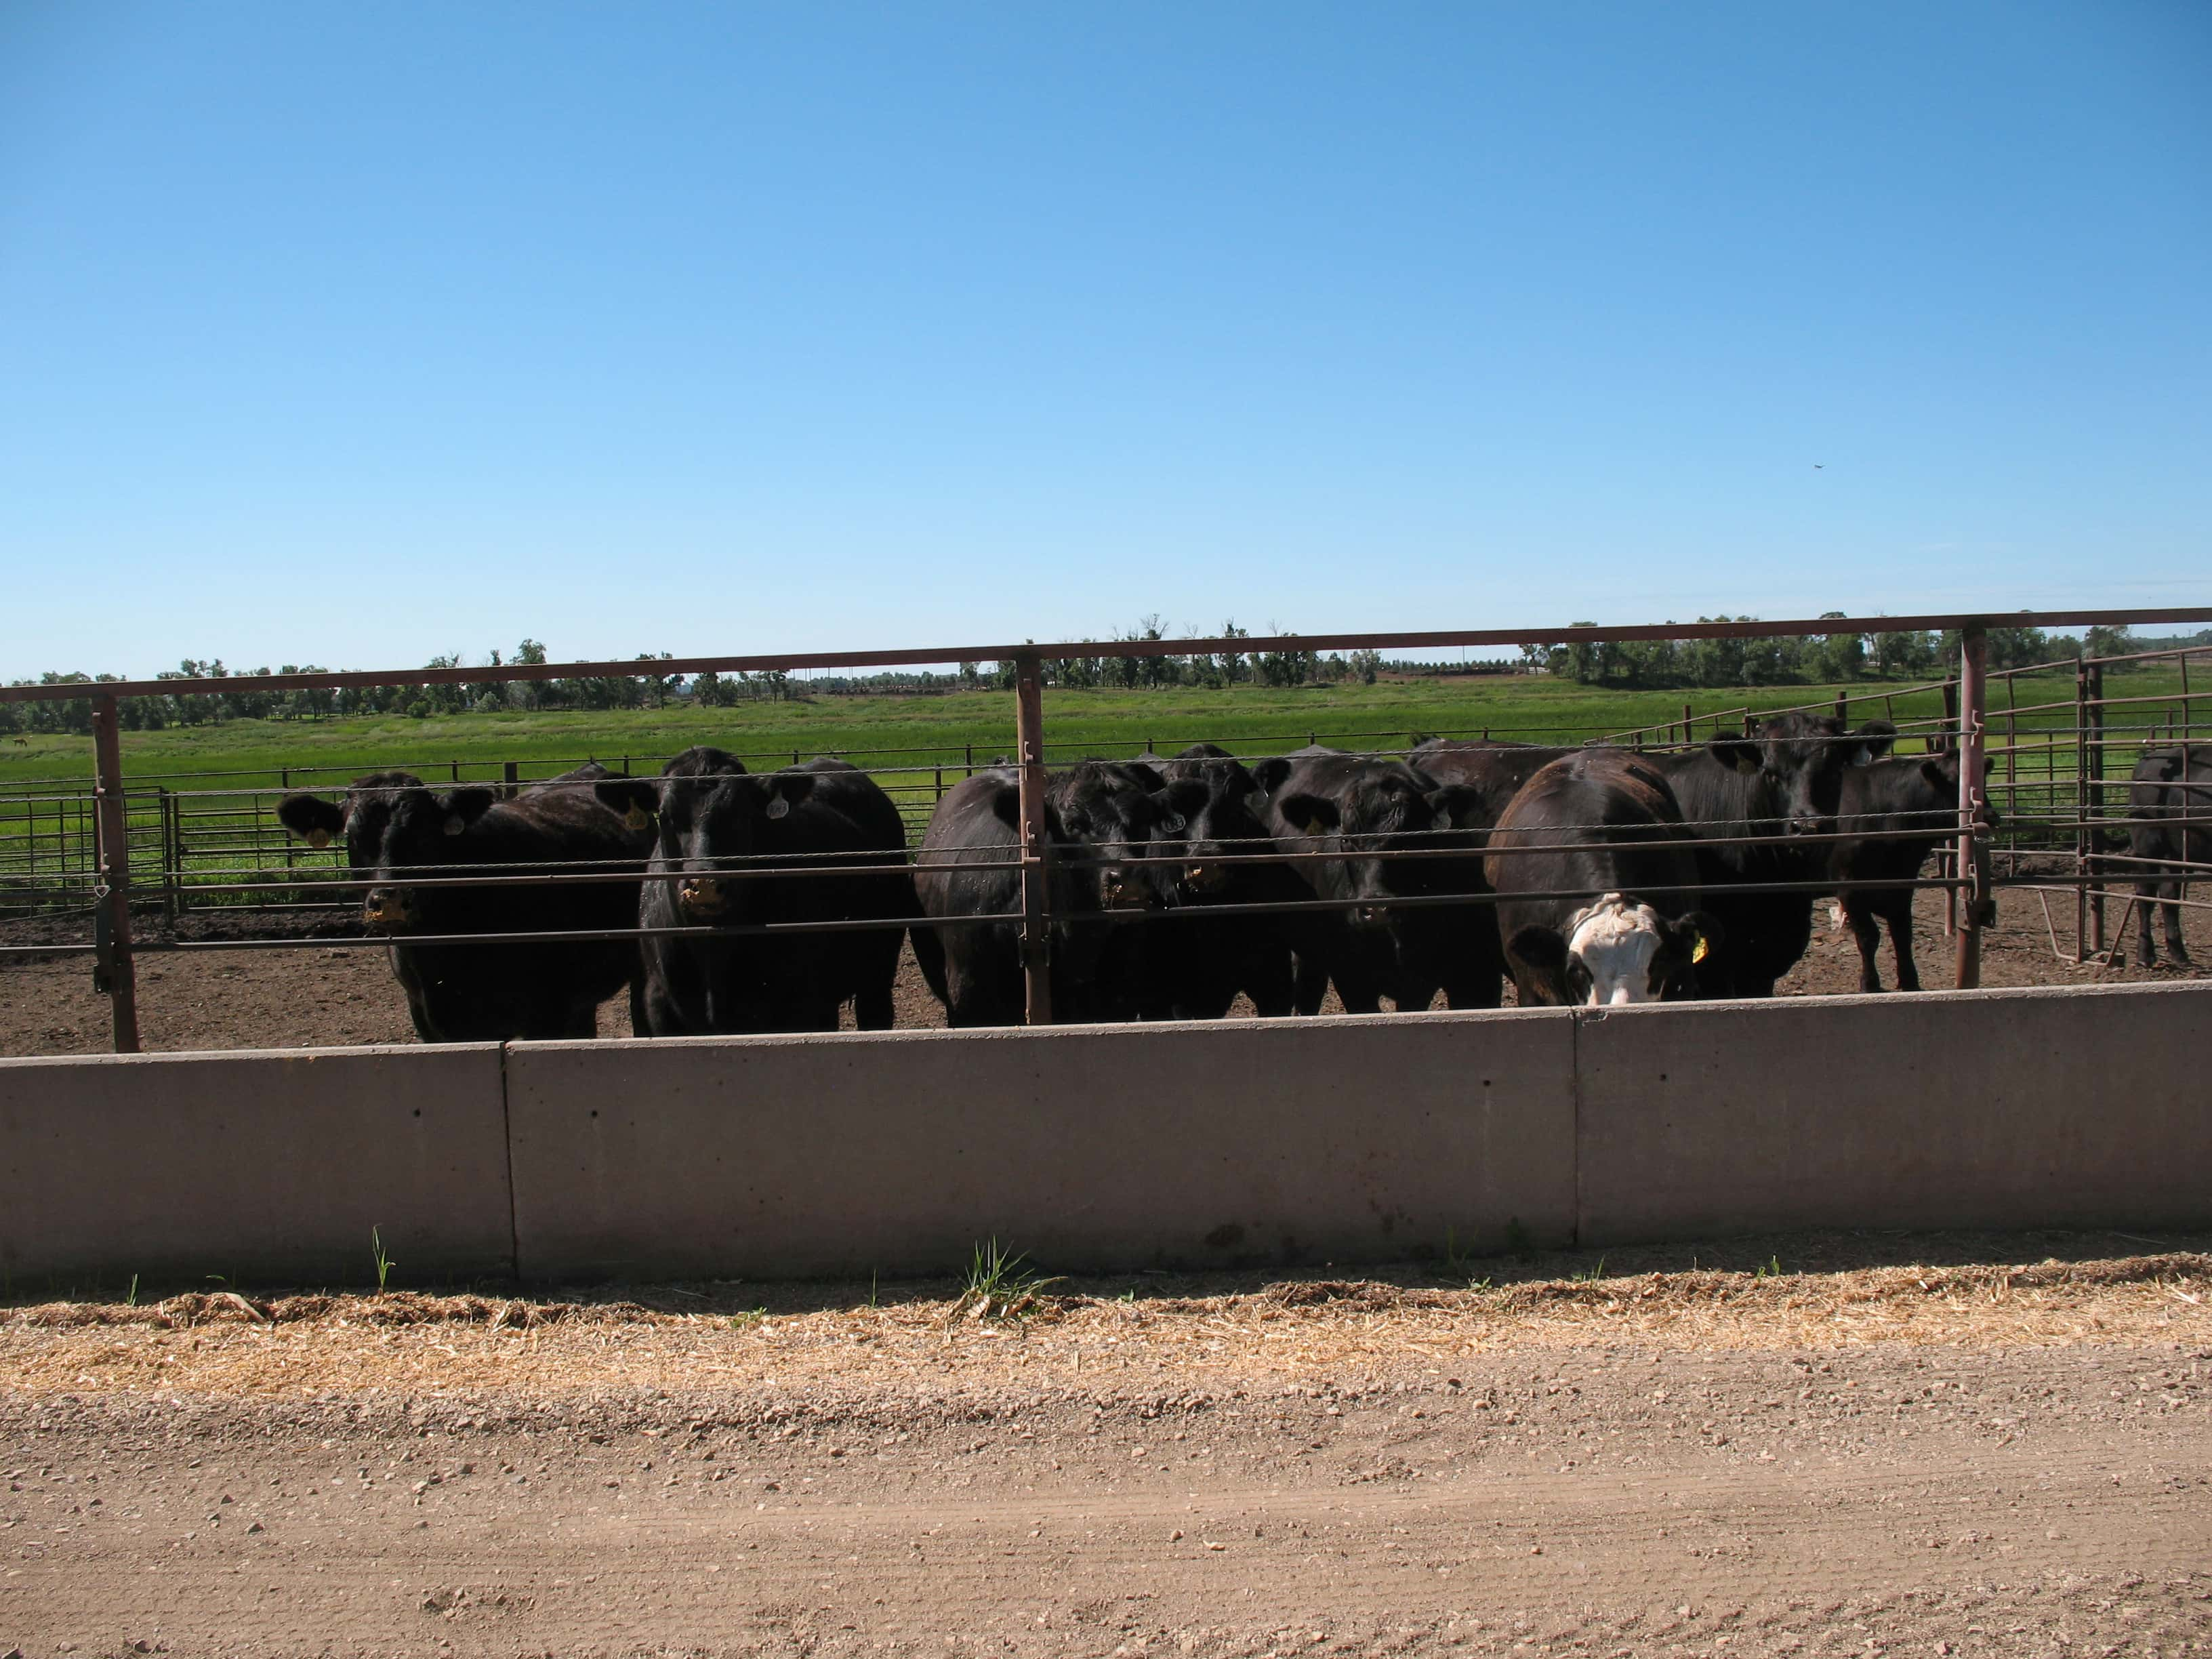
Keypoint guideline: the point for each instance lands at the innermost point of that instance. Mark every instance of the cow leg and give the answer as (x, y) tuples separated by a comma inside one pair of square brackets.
[(2146, 894), (1900, 943), (1309, 981), (871, 1007), (1475, 990), (1271, 983), (1359, 991), (2175, 891), (1866, 934)]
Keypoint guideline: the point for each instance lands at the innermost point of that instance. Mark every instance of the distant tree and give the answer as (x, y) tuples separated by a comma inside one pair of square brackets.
[(2102, 641)]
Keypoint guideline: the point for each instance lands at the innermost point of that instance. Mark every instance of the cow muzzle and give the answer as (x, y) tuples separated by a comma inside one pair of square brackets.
[(1205, 877), (702, 895), (1369, 915), (390, 908), (1119, 890)]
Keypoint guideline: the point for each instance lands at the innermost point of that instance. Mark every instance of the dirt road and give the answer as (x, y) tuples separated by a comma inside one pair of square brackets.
[(1639, 1465)]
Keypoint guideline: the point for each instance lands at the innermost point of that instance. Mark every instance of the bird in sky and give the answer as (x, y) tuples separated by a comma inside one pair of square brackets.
[(1817, 467)]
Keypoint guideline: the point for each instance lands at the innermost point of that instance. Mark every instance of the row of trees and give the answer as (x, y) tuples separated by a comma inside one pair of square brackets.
[(1820, 658)]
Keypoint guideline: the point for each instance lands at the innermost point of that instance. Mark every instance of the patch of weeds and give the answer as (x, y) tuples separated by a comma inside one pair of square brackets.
[(1000, 1285), (1771, 1269), (1462, 1265), (385, 1264), (131, 1296), (747, 1320), (1589, 1275)]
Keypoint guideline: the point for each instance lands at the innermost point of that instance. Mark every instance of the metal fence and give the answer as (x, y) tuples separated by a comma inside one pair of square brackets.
[(2061, 747)]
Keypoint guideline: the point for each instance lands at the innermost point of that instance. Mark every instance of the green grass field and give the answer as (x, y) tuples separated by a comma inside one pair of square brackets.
[(920, 742)]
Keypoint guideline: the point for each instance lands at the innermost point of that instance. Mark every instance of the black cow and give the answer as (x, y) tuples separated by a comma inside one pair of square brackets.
[(1610, 915), (1195, 967), (2171, 798), (1897, 812), (1100, 816), (394, 825), (1353, 807), (719, 830), (1785, 779)]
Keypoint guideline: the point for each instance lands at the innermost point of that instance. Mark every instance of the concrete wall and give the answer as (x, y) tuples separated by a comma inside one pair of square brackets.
[(1354, 1140), (1297, 1143), (2064, 1107), (270, 1166)]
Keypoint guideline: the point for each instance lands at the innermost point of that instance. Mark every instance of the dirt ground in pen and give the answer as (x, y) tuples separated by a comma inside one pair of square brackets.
[(1900, 1445), (337, 994)]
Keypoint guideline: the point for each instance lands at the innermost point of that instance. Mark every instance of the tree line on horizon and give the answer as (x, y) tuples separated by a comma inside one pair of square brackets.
[(1638, 664)]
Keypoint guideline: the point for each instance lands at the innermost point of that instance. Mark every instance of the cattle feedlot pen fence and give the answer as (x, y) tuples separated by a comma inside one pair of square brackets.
[(2032, 799)]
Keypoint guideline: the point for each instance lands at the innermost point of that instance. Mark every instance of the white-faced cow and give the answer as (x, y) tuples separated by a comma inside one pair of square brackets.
[(1597, 885)]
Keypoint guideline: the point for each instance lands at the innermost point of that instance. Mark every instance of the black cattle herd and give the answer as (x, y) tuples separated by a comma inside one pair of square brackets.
[(1601, 875)]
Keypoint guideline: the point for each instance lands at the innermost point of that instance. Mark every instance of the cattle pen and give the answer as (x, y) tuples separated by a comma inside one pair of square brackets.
[(2053, 740), (550, 1154)]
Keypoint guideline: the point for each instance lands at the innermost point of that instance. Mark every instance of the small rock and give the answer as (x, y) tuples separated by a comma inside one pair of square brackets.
[(1175, 1537), (257, 1527), (1215, 1547)]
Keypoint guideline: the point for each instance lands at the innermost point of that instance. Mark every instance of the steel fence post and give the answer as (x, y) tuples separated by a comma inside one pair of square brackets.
[(2096, 805), (2080, 809), (1036, 920), (115, 896), (1973, 847)]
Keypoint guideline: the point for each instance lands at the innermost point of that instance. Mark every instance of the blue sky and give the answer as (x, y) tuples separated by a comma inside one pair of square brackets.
[(355, 335)]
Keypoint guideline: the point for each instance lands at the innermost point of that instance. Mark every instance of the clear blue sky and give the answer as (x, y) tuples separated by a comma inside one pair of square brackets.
[(354, 334)]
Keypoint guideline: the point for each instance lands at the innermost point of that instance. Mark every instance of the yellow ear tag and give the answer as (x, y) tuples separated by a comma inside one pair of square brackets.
[(318, 839), (1313, 826), (637, 817), (1704, 948)]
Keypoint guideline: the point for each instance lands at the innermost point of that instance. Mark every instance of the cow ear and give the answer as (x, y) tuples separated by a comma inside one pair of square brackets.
[(1540, 947), (1989, 764), (1007, 806), (636, 799), (1146, 775), (1268, 774), (785, 790), (1311, 815), (465, 806), (1875, 738), (1938, 774), (1461, 805), (1694, 933), (1738, 752), (1179, 803), (311, 818)]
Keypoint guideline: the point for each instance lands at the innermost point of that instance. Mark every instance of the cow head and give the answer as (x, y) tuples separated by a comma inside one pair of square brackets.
[(1617, 950), (1796, 764), (389, 822), (1215, 796), (1109, 814), (1381, 807), (711, 818), (1939, 788)]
